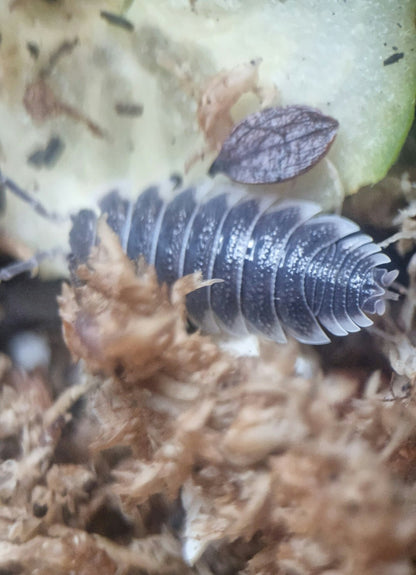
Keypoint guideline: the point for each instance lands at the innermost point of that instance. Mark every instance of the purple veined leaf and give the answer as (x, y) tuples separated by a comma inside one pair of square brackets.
[(275, 144)]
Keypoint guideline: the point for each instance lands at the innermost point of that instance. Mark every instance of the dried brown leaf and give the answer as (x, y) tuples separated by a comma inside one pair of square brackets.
[(275, 144)]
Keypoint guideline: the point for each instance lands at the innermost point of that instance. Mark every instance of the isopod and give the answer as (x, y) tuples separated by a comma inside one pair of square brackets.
[(284, 267)]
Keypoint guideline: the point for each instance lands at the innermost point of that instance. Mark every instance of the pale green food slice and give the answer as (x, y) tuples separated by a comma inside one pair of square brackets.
[(331, 54), (323, 53)]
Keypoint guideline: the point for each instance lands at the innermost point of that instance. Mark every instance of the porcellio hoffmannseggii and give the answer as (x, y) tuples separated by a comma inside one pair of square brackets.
[(285, 267)]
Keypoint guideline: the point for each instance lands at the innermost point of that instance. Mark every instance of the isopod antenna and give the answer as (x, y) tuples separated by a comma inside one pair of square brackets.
[(36, 206), (29, 265), (18, 268)]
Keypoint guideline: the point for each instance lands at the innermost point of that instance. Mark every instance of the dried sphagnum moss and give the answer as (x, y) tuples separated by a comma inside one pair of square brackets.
[(184, 459)]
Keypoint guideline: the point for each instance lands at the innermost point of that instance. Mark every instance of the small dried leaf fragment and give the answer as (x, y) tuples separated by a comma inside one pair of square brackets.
[(219, 95), (275, 144), (216, 99), (42, 104)]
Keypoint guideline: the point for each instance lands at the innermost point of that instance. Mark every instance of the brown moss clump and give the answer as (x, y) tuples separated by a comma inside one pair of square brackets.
[(184, 459)]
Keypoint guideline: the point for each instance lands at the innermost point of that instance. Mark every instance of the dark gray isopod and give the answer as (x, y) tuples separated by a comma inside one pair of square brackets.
[(285, 267)]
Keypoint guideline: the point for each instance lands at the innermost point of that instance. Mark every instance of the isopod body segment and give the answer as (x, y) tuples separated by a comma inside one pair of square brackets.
[(285, 268)]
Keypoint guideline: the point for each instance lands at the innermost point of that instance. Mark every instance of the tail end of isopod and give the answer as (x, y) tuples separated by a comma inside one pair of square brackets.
[(383, 280)]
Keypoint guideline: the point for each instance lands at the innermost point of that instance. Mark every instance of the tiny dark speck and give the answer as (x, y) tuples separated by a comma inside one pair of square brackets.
[(47, 157), (40, 510), (395, 48), (117, 20), (125, 109), (33, 50), (399, 25), (393, 58)]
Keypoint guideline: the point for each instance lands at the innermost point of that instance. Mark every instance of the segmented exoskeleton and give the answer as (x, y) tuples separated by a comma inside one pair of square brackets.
[(285, 267)]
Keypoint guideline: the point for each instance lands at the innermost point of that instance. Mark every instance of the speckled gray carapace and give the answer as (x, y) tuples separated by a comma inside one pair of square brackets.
[(284, 267)]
